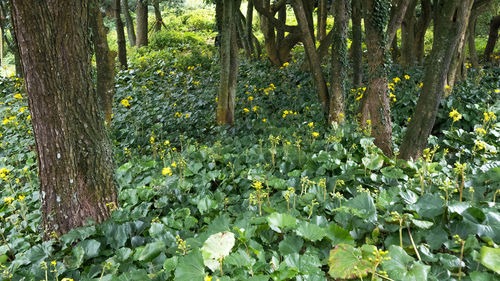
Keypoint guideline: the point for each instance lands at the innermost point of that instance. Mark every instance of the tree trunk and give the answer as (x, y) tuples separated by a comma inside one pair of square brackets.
[(11, 44), (471, 40), (408, 55), (105, 62), (229, 63), (452, 18), (377, 98), (75, 164), (322, 16), (129, 23), (397, 15), (312, 55), (356, 50), (141, 12), (120, 36), (158, 18), (339, 61), (492, 38), (421, 27), (249, 28)]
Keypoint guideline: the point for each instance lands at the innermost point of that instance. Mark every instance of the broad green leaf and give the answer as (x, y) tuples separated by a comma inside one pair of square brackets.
[(490, 258), (217, 247), (310, 231), (90, 247), (373, 162), (393, 173), (79, 233), (364, 206), (190, 267), (239, 259), (338, 235), (430, 205), (170, 263), (123, 254), (290, 244), (403, 267), (76, 259), (482, 276), (422, 224), (347, 262), (205, 204), (151, 251), (278, 221)]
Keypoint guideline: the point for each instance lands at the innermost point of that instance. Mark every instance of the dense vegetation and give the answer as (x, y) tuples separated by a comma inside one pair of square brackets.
[(294, 194)]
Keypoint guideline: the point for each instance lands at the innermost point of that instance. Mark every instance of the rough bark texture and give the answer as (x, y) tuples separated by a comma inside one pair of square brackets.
[(357, 52), (377, 99), (141, 12), (422, 25), (408, 55), (339, 61), (74, 153), (120, 36), (397, 15), (449, 28), (105, 62), (322, 16), (158, 19), (492, 38), (312, 55), (229, 62), (129, 23)]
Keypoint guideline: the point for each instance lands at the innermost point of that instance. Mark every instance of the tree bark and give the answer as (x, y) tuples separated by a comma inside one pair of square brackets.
[(11, 44), (408, 55), (158, 18), (141, 12), (377, 98), (74, 153), (339, 61), (312, 55), (492, 38), (229, 63), (322, 16), (422, 25), (129, 23), (105, 62), (120, 36), (356, 50), (452, 17), (397, 15)]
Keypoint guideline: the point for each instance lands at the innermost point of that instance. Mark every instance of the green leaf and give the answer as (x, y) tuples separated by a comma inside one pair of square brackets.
[(490, 258), (290, 244), (170, 263), (90, 247), (151, 251), (80, 233), (278, 221), (338, 235), (393, 173), (123, 254), (205, 204), (347, 262), (239, 259), (76, 259), (422, 224), (430, 205), (364, 206), (403, 267), (190, 267), (310, 231), (375, 162)]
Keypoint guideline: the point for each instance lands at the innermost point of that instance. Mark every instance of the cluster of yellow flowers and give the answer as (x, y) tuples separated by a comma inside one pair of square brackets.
[(4, 173), (125, 102), (180, 115), (455, 115), (287, 112)]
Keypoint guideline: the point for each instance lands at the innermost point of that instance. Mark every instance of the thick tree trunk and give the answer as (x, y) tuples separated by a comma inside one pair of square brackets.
[(105, 62), (357, 52), (129, 23), (339, 61), (229, 63), (141, 12), (408, 55), (75, 163), (452, 18), (312, 55), (120, 36), (492, 38), (377, 98)]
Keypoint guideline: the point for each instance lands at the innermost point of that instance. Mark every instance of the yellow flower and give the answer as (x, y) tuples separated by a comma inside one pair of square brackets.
[(264, 120), (286, 64), (67, 279), (455, 115), (246, 110), (311, 125), (407, 77), (21, 198), (173, 164), (497, 91), (489, 116), (447, 87), (8, 200), (125, 102), (420, 85), (315, 134), (396, 79), (480, 144), (255, 108), (18, 96), (250, 98), (207, 278), (166, 171), (481, 131), (54, 263)]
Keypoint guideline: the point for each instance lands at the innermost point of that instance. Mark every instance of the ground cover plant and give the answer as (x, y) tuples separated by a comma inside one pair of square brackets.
[(281, 195)]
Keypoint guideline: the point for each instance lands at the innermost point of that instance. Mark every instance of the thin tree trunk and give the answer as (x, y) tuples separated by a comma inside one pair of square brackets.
[(11, 44), (229, 63), (408, 55), (322, 16), (452, 18), (492, 38), (357, 52), (377, 98), (120, 36), (249, 28), (471, 40), (158, 18), (397, 15), (75, 159), (129, 23), (105, 62), (421, 27), (339, 61), (312, 55), (141, 12)]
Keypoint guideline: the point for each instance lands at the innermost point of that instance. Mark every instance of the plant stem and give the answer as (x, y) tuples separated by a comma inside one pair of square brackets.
[(413, 244)]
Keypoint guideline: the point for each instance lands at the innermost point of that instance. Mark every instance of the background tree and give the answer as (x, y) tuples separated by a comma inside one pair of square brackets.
[(141, 12), (492, 38), (228, 62), (120, 36), (129, 23), (451, 23), (75, 163)]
